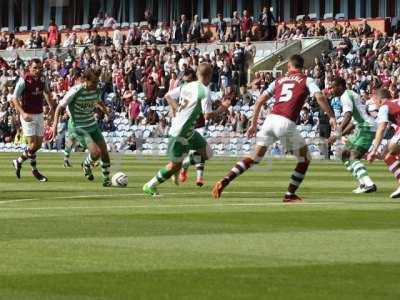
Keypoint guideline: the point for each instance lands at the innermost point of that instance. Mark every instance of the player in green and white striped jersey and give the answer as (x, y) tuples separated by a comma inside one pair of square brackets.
[(193, 101), (355, 114), (81, 100)]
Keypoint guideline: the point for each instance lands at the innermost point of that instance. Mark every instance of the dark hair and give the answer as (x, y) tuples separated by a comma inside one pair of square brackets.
[(339, 81), (383, 93), (189, 72), (36, 61), (297, 61)]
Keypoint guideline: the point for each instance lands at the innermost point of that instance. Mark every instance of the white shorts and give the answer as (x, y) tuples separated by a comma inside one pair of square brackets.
[(34, 127), (276, 128)]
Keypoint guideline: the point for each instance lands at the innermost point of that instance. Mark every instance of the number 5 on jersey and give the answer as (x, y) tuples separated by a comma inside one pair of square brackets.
[(287, 92)]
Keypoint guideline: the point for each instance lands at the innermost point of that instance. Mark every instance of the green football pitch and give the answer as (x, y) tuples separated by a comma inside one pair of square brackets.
[(73, 239)]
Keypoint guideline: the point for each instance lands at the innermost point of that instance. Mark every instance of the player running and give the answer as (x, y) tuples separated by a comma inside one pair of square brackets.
[(81, 100), (30, 93), (194, 100), (290, 93), (193, 158), (358, 144), (389, 112)]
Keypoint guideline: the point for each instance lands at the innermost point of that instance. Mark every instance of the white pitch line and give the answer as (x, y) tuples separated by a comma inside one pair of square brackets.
[(166, 206), (142, 194)]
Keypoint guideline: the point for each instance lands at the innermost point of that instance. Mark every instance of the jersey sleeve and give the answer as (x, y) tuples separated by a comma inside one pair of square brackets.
[(383, 114), (69, 97), (270, 91), (19, 88), (175, 93), (347, 104), (206, 103), (312, 86)]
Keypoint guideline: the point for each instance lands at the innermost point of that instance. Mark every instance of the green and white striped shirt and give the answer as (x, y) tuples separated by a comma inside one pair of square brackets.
[(194, 99), (81, 104), (351, 102)]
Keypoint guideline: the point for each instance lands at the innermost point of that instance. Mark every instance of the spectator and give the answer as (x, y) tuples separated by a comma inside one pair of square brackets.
[(365, 29), (196, 30), (118, 38), (176, 34), (267, 21), (48, 134), (235, 26), (109, 21), (150, 19), (98, 21), (37, 41), (246, 25), (97, 40), (150, 90), (134, 110), (52, 35), (221, 28), (184, 28)]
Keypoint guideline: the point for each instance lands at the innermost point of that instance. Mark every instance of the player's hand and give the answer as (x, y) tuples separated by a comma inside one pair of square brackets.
[(371, 156), (251, 132), (332, 139), (53, 133), (226, 103), (26, 117), (332, 122)]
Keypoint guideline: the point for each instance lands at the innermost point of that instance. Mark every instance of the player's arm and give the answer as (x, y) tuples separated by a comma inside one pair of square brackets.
[(265, 96), (46, 95), (349, 128), (103, 108), (323, 103), (209, 114), (68, 98), (383, 121), (315, 91), (19, 89), (172, 99), (256, 113)]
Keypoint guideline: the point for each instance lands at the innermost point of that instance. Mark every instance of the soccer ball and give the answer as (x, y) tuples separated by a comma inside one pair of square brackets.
[(119, 179)]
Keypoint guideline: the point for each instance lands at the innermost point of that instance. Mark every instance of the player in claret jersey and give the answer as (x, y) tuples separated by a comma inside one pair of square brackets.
[(290, 93), (30, 93), (389, 112)]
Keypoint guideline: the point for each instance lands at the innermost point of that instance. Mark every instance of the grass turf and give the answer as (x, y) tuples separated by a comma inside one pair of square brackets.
[(73, 239)]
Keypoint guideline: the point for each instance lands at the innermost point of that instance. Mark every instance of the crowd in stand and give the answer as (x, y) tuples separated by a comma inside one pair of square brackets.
[(134, 80), (178, 31), (337, 31)]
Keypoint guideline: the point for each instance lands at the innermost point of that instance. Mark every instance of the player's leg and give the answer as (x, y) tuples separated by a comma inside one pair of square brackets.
[(298, 175), (292, 140), (238, 169), (35, 172), (187, 162), (70, 143), (345, 157), (105, 162), (165, 173), (17, 163), (199, 158), (177, 150), (360, 173), (358, 145), (201, 152), (265, 138), (393, 162), (94, 153), (28, 131)]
